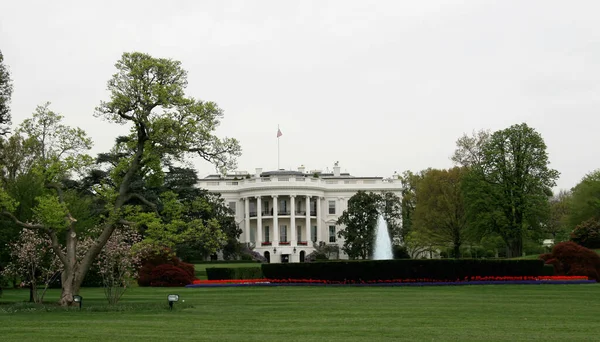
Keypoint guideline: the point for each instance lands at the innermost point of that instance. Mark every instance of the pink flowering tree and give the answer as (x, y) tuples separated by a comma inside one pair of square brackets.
[(118, 264), (34, 262)]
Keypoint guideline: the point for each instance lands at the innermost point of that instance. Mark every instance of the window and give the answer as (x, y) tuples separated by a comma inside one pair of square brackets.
[(283, 233), (299, 233), (332, 207), (266, 234), (232, 207), (265, 208), (253, 234), (332, 234), (313, 233), (283, 207), (298, 207)]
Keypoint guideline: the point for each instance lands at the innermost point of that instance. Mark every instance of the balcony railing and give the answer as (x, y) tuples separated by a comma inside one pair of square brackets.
[(267, 212), (300, 212), (313, 213), (253, 214), (283, 212)]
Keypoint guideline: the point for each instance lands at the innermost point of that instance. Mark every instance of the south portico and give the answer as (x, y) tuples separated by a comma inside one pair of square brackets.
[(283, 226)]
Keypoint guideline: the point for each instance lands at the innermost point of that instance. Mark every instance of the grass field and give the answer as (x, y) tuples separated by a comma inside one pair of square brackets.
[(453, 313)]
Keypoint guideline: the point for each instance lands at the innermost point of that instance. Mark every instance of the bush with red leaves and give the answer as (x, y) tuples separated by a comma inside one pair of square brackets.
[(587, 234), (569, 258), (163, 257), (167, 275)]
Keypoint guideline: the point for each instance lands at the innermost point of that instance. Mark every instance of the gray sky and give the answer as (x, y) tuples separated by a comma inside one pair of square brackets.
[(380, 86)]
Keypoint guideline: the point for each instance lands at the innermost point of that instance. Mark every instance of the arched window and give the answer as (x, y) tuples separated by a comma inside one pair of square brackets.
[(268, 256), (302, 255)]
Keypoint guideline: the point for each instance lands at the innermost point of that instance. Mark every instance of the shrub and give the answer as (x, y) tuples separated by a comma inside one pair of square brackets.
[(221, 273), (162, 257), (167, 275), (569, 258), (587, 234), (435, 269)]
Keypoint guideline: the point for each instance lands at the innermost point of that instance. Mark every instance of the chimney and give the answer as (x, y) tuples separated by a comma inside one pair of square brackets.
[(258, 172), (301, 168), (336, 169)]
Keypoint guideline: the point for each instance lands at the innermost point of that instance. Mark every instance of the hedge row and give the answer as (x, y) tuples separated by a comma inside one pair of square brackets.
[(222, 273), (216, 262), (435, 269)]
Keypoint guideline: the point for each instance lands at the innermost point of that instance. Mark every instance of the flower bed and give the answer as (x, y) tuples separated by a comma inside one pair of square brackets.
[(397, 282)]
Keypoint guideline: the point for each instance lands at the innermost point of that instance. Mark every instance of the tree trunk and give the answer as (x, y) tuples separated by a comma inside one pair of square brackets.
[(515, 248), (71, 283), (31, 292), (457, 250)]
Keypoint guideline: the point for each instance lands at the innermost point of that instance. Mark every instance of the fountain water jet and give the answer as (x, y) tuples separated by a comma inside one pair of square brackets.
[(383, 243)]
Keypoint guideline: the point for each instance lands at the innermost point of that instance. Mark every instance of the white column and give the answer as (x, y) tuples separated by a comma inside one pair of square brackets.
[(319, 233), (275, 238), (293, 239), (259, 235), (307, 228), (247, 219)]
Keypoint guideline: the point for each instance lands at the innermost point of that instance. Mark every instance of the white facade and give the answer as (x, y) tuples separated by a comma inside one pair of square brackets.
[(281, 213)]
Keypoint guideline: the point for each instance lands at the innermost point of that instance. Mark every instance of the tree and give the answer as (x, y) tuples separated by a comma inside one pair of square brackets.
[(557, 226), (360, 220), (469, 149), (585, 200), (507, 191), (587, 234), (166, 126), (6, 89), (118, 264), (440, 213), (409, 181), (33, 262)]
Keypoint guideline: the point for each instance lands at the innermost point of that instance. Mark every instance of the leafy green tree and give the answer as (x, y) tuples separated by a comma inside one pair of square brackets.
[(585, 200), (507, 191), (440, 213), (6, 89), (360, 220), (557, 227), (166, 126), (408, 204)]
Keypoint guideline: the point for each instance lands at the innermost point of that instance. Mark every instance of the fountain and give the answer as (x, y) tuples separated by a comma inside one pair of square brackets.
[(383, 243)]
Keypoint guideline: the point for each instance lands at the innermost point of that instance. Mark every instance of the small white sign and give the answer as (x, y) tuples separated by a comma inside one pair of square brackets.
[(173, 298)]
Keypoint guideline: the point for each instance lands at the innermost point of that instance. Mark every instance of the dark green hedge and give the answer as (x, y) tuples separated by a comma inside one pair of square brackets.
[(219, 273), (435, 269), (217, 262)]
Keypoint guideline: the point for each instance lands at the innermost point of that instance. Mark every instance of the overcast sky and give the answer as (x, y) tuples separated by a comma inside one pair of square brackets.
[(380, 86)]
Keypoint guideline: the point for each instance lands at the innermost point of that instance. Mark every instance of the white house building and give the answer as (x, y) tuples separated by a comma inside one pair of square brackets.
[(281, 213)]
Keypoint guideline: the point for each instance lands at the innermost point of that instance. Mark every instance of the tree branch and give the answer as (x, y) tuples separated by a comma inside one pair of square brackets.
[(144, 200)]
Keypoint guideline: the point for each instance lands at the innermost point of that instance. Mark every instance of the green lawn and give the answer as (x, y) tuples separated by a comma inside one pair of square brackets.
[(453, 313)]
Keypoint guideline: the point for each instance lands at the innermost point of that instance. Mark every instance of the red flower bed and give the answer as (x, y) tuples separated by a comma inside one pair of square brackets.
[(317, 281)]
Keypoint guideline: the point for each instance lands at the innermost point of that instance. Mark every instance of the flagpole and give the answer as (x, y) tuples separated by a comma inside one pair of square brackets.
[(277, 147)]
